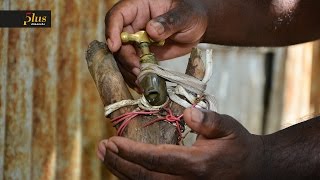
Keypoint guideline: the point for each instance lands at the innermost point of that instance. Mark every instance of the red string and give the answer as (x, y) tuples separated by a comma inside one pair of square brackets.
[(126, 118)]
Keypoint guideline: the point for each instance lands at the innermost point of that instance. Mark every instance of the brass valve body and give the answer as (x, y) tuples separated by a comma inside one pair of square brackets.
[(155, 90)]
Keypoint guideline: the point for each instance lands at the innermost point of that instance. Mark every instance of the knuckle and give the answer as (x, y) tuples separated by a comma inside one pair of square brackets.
[(216, 122), (211, 120), (152, 162), (114, 163), (141, 174), (199, 166), (170, 21), (107, 24), (201, 170), (107, 17), (179, 15), (110, 13)]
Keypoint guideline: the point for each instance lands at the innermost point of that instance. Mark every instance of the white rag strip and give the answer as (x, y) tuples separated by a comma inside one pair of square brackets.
[(188, 82), (187, 86), (141, 102)]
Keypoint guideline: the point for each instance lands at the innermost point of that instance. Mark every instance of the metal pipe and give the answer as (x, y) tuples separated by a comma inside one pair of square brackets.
[(155, 90)]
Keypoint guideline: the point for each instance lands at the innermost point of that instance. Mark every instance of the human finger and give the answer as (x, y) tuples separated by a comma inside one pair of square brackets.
[(128, 76), (171, 50), (113, 26), (185, 16), (131, 170), (101, 151), (114, 171), (121, 15), (210, 124), (159, 158), (127, 56)]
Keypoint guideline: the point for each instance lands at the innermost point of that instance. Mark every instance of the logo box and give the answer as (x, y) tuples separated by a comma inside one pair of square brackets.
[(26, 18)]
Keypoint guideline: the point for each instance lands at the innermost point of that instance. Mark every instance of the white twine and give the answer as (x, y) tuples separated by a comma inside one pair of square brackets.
[(187, 86), (141, 102)]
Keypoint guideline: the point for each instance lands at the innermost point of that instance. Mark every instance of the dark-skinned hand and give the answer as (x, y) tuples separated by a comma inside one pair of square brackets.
[(181, 22), (224, 149)]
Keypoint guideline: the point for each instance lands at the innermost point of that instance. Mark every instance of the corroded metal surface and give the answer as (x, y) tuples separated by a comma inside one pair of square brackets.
[(19, 99), (315, 79), (94, 126), (297, 85), (69, 91), (302, 79), (51, 117), (3, 87), (45, 97), (3, 83)]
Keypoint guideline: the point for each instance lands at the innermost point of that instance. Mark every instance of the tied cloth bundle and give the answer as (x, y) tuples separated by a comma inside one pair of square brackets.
[(187, 91)]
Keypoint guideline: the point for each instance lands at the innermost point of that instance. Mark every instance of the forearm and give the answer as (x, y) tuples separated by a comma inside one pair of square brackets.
[(293, 152), (262, 23)]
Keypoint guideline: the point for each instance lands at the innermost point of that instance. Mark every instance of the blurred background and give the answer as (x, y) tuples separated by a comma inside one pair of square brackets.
[(51, 116)]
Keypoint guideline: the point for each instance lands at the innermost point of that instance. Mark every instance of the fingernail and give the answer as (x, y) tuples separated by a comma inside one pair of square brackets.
[(109, 43), (157, 26), (112, 147), (102, 149), (136, 71), (197, 115), (137, 82), (101, 157)]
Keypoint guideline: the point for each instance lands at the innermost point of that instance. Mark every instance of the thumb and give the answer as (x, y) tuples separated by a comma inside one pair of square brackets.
[(211, 124), (165, 25)]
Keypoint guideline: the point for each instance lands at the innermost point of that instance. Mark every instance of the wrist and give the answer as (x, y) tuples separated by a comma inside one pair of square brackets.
[(253, 168)]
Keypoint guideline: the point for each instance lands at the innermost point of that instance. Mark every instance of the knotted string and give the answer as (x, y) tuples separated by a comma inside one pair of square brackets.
[(190, 88)]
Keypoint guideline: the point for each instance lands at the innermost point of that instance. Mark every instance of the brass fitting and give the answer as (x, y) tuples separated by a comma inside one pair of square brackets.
[(155, 90), (139, 37)]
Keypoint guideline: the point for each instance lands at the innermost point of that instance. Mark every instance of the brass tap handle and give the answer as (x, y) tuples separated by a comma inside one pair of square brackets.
[(155, 90), (139, 37)]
